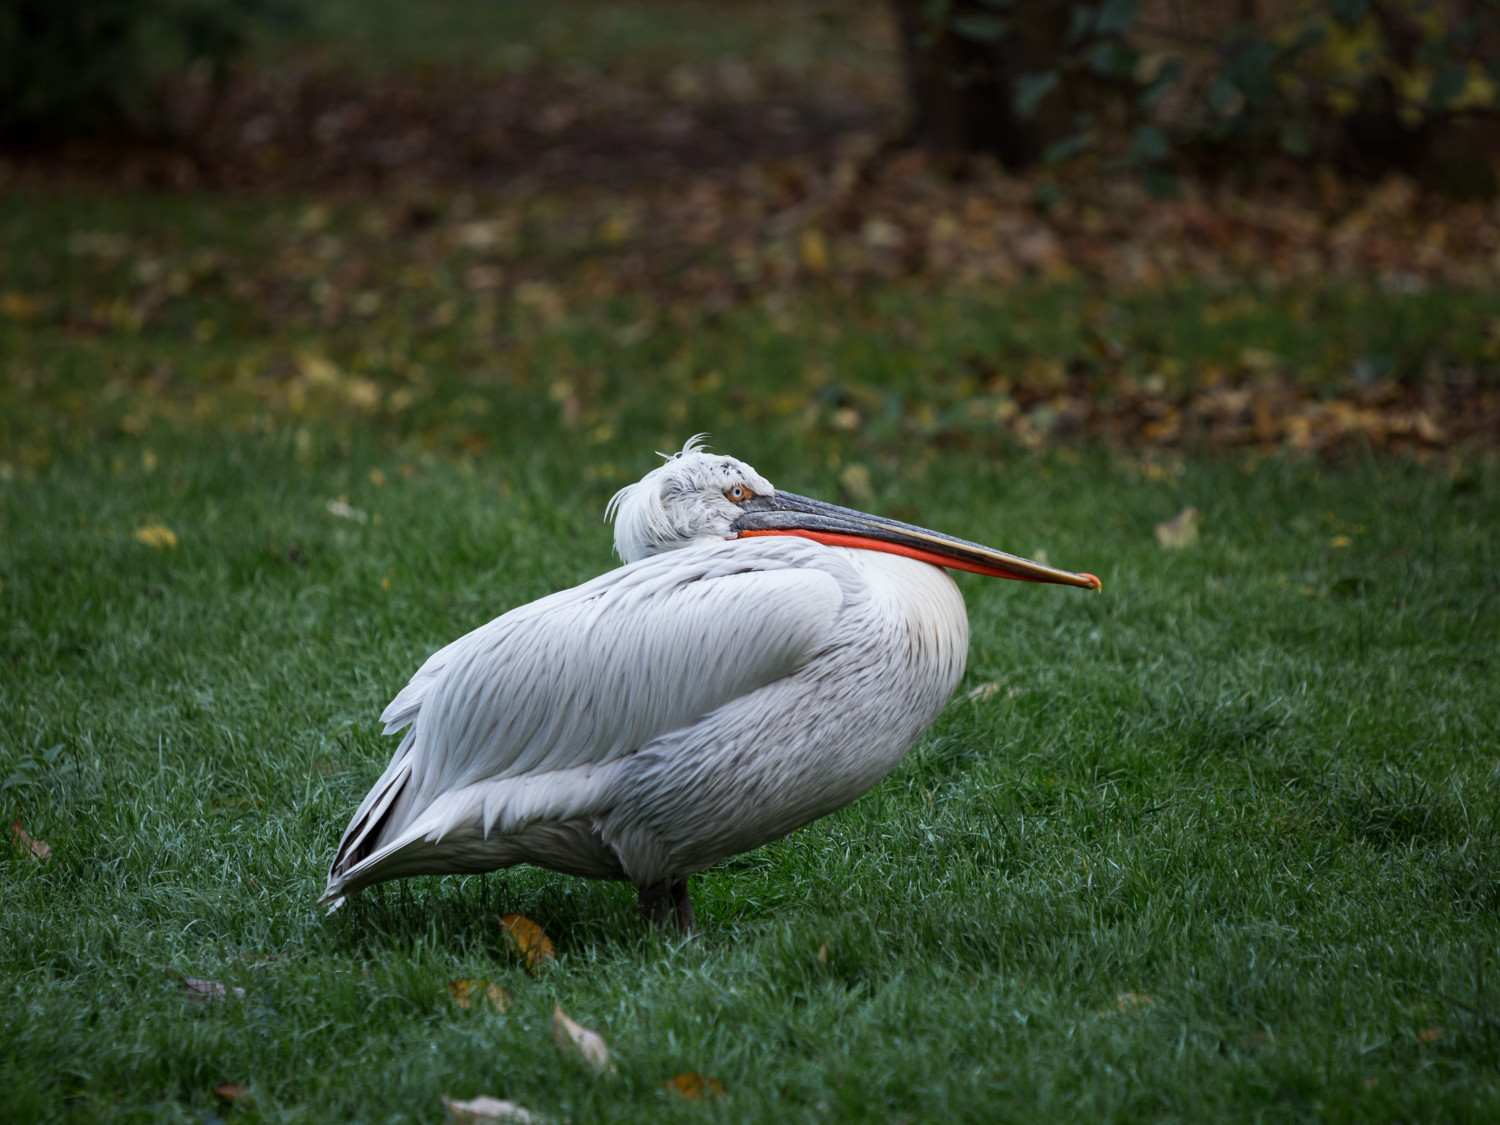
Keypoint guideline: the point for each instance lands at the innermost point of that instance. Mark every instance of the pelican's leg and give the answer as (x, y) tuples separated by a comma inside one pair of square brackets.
[(667, 903), (684, 906)]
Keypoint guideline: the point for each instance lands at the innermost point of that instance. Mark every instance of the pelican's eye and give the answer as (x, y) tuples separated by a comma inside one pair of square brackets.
[(738, 493)]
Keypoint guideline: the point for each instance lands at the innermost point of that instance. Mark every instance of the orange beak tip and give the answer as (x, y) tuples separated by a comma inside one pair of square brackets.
[(1094, 579)]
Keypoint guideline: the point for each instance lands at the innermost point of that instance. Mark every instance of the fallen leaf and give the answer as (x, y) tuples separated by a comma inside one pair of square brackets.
[(983, 691), (574, 1038), (1180, 531), (823, 953), (464, 993), (1340, 541), (1131, 1001), (528, 940), (155, 535), (231, 1091), (484, 1108), (1429, 1035), (814, 251), (207, 991), (342, 509), (693, 1087), (39, 849)]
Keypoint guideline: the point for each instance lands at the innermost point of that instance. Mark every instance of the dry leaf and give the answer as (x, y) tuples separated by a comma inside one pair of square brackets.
[(1131, 1001), (823, 953), (574, 1038), (39, 849), (207, 991), (531, 944), (465, 991), (1180, 531), (342, 509), (155, 535), (814, 251), (983, 691), (231, 1091), (693, 1087), (1429, 1035), (484, 1108), (1340, 541)]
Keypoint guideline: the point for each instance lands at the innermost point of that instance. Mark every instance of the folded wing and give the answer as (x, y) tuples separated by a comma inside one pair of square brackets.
[(591, 674)]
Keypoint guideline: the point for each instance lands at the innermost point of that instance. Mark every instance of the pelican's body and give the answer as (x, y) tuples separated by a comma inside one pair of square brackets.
[(712, 695)]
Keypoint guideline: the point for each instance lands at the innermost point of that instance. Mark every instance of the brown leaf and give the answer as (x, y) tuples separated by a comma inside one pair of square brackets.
[(207, 991), (528, 940), (1180, 531), (485, 1108), (575, 1039), (983, 692), (39, 849), (464, 993), (1429, 1035), (693, 1087), (231, 1091), (823, 953)]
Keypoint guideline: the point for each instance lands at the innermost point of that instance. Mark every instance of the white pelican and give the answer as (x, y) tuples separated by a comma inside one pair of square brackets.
[(760, 660)]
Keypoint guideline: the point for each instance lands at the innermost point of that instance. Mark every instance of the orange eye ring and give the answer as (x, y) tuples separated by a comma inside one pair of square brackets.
[(738, 493)]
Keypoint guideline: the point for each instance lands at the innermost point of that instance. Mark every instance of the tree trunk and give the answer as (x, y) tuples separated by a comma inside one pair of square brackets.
[(962, 89)]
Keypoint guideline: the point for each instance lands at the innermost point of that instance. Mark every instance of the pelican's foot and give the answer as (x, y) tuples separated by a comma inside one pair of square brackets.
[(667, 904)]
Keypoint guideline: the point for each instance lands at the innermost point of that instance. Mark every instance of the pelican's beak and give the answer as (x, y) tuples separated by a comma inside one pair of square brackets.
[(789, 514)]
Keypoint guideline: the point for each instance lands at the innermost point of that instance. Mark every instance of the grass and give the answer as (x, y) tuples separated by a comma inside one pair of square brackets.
[(1222, 842), (1218, 843)]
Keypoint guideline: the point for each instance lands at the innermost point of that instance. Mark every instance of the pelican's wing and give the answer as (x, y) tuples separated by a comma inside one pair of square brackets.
[(593, 673)]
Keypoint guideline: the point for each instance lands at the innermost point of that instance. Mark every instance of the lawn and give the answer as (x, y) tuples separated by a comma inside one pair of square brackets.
[(1218, 843)]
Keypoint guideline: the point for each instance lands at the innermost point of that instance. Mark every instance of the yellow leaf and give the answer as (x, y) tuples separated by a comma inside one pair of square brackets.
[(1180, 531), (693, 1087), (465, 991), (1340, 541), (155, 535), (377, 478), (528, 940), (814, 251)]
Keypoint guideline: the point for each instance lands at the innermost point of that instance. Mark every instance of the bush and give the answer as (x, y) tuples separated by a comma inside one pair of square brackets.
[(71, 66)]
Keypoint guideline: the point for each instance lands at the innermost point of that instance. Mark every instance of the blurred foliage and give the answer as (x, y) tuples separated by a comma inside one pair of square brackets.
[(1373, 85), (69, 66)]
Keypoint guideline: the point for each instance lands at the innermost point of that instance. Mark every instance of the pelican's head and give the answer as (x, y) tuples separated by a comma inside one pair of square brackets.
[(701, 497), (695, 496)]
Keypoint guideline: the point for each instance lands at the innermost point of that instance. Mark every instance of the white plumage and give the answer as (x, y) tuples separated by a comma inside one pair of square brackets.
[(732, 682)]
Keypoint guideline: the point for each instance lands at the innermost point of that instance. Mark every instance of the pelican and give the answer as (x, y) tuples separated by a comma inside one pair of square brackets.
[(760, 659)]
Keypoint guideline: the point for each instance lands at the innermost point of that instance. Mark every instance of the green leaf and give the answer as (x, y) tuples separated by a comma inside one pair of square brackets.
[(1116, 17), (1447, 86), (980, 28), (1349, 12), (1295, 140), (1114, 60), (1059, 152), (1032, 88), (1147, 146), (1225, 97)]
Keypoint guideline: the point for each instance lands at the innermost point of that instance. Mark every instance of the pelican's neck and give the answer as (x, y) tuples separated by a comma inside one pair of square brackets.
[(918, 597)]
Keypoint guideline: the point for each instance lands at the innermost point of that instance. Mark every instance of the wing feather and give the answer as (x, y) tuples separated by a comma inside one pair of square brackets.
[(591, 674)]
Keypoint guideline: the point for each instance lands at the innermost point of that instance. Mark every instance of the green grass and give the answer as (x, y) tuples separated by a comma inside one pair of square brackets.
[(1221, 843), (1253, 781)]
